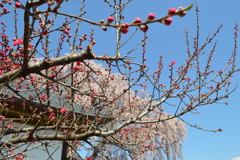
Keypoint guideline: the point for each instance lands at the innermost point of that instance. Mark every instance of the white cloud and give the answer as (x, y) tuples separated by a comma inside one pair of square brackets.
[(236, 158)]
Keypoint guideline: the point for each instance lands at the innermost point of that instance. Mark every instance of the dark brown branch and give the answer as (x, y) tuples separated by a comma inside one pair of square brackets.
[(47, 63), (26, 33), (115, 26), (72, 137)]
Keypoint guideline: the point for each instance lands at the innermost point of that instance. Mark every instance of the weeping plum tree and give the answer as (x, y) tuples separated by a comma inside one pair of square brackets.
[(110, 105)]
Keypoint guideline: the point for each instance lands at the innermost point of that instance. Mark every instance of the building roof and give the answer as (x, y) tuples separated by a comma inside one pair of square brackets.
[(21, 100)]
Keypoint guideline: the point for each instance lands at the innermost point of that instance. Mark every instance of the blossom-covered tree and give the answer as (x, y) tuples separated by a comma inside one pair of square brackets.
[(110, 105)]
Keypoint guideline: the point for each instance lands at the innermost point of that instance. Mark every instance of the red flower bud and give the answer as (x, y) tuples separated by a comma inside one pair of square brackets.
[(66, 31), (151, 16), (180, 12), (63, 110), (137, 20), (18, 5), (110, 20), (168, 21), (124, 30), (143, 27), (44, 32), (104, 28), (125, 25), (172, 11)]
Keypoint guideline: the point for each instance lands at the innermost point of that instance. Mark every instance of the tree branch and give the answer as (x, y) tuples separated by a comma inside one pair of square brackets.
[(47, 63)]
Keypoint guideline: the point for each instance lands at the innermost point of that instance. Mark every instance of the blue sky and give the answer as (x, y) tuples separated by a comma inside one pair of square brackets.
[(169, 41)]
